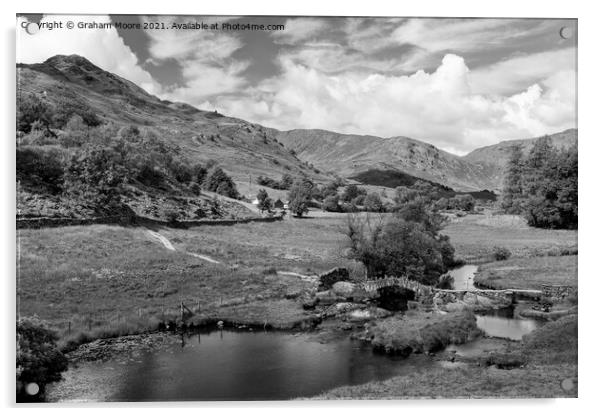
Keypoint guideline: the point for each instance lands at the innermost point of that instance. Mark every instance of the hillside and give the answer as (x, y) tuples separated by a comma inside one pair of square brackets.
[(493, 159), (168, 139), (349, 155), (242, 148)]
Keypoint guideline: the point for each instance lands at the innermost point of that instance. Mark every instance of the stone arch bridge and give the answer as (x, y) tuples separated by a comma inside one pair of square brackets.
[(426, 294)]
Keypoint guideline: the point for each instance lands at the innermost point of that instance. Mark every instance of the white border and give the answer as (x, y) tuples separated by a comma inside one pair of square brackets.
[(590, 117)]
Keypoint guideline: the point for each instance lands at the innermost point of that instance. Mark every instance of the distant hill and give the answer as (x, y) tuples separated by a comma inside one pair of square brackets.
[(349, 155), (493, 159)]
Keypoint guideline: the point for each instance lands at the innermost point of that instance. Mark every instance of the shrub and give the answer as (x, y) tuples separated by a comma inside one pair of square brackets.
[(31, 109), (172, 216), (501, 253), (331, 204), (40, 166), (218, 181), (38, 358)]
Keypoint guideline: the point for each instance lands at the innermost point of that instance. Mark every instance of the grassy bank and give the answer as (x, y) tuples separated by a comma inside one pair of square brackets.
[(539, 381), (528, 273), (417, 332), (475, 237), (543, 365), (99, 281)]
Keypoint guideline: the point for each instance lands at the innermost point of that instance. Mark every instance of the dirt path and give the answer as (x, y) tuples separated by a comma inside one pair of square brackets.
[(167, 244)]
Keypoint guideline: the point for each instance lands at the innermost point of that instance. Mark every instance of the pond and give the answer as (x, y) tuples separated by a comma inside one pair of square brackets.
[(230, 365), (502, 323)]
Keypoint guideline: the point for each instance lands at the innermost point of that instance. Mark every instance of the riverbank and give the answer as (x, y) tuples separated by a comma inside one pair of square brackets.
[(543, 365)]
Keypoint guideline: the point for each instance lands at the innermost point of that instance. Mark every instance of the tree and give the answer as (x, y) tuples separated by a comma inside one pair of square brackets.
[(218, 181), (351, 192), (264, 201), (300, 196), (398, 248), (38, 359), (286, 182), (30, 108), (373, 203), (331, 203), (513, 192), (96, 175), (543, 185)]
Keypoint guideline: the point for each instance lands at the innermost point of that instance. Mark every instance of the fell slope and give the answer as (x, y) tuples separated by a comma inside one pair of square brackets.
[(493, 159), (243, 149), (349, 155)]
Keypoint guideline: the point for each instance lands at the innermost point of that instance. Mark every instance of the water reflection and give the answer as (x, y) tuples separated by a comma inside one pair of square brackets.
[(502, 323), (463, 277), (240, 366)]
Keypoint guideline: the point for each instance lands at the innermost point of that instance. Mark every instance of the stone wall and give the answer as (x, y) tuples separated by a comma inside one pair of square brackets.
[(558, 292), (41, 222)]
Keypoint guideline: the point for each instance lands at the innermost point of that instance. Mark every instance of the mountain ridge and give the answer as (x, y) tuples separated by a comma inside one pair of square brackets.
[(247, 149)]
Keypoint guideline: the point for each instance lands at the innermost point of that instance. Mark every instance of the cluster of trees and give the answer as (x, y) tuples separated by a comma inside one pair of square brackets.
[(92, 162), (457, 202), (407, 243), (542, 185), (284, 183)]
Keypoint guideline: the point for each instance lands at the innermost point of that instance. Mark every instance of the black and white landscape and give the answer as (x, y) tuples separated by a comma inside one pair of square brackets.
[(201, 211)]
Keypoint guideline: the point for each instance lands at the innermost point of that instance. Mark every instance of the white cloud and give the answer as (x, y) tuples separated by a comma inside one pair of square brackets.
[(439, 107), (205, 57), (103, 47)]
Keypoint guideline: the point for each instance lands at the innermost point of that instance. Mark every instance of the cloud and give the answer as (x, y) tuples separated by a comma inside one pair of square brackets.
[(300, 29), (516, 73), (205, 57), (103, 47), (439, 107)]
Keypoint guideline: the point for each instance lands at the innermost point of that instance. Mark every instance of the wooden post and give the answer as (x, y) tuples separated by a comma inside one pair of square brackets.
[(182, 311)]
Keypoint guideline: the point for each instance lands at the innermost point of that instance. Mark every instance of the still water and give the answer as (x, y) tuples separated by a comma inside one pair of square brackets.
[(502, 323), (463, 277), (232, 365)]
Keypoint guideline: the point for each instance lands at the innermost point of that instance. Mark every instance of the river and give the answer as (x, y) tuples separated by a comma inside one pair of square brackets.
[(242, 365)]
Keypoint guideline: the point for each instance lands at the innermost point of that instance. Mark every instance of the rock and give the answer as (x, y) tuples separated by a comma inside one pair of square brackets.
[(326, 297), (344, 289)]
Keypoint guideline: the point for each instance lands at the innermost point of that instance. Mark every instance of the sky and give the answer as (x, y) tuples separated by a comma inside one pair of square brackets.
[(458, 84)]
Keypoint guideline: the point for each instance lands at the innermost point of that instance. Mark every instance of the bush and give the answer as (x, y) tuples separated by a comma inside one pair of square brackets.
[(31, 109), (38, 358), (218, 181), (501, 253), (40, 166), (331, 204)]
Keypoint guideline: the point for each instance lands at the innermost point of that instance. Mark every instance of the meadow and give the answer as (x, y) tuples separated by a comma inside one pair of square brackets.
[(105, 280)]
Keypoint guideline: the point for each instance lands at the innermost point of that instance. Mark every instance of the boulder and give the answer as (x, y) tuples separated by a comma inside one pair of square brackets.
[(326, 297), (344, 289)]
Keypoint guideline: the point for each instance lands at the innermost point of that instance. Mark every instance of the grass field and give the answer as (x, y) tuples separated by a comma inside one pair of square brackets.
[(528, 273), (111, 280), (475, 237)]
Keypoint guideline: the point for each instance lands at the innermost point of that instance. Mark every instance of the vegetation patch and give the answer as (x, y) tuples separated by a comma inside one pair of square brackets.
[(417, 332), (528, 273)]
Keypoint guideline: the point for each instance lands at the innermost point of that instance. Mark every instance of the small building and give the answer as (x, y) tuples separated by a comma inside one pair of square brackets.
[(255, 201), (278, 204)]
